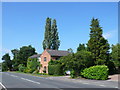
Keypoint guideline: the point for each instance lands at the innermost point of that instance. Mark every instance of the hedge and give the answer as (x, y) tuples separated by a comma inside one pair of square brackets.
[(99, 72), (55, 69)]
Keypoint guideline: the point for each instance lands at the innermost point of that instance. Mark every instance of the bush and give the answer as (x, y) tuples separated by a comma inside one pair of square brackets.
[(21, 67), (72, 74), (112, 68), (99, 72), (36, 71), (32, 65), (55, 70)]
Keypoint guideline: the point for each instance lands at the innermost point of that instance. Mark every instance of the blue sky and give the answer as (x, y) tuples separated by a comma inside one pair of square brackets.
[(23, 23)]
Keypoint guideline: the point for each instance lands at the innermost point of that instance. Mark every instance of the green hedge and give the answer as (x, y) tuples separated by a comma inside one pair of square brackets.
[(99, 72), (55, 70)]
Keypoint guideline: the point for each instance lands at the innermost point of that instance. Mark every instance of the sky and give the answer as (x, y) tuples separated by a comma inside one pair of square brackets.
[(23, 23)]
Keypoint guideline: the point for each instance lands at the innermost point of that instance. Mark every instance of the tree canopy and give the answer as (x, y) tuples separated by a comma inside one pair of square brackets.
[(7, 63), (97, 44), (51, 38)]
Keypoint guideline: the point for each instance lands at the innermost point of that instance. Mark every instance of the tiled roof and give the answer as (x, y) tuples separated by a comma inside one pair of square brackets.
[(57, 52), (35, 56)]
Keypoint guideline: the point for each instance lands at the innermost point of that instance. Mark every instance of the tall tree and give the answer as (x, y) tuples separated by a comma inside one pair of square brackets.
[(47, 36), (81, 47), (115, 55), (97, 44), (55, 37), (7, 63), (16, 60), (51, 38), (21, 56)]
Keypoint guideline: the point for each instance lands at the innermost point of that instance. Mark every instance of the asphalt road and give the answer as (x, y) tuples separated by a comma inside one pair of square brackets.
[(18, 80)]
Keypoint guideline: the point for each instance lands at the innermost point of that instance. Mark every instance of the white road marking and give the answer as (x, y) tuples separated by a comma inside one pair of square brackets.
[(102, 85), (58, 89), (85, 83), (30, 80), (3, 86), (13, 76)]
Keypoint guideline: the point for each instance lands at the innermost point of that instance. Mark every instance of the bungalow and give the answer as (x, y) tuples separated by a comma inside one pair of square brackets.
[(49, 54)]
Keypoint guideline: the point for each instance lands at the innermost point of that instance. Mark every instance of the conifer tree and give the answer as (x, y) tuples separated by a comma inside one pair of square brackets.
[(47, 35), (55, 37), (51, 38), (81, 47), (97, 44)]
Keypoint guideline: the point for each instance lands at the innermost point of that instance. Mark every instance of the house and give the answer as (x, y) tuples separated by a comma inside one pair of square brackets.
[(35, 56), (49, 54)]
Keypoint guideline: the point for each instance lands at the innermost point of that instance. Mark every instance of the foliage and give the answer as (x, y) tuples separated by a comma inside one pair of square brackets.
[(112, 68), (21, 56), (55, 37), (70, 50), (97, 44), (21, 67), (81, 47), (55, 67), (99, 72), (72, 74), (36, 71), (53, 62), (51, 38), (115, 55), (7, 63), (55, 70), (4, 66), (77, 62), (32, 64), (15, 61)]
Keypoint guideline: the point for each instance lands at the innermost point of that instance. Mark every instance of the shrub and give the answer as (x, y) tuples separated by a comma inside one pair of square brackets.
[(21, 67), (55, 70), (32, 65), (99, 72), (72, 74), (36, 71)]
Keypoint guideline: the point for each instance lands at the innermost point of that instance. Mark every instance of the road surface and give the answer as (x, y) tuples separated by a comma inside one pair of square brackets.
[(18, 80)]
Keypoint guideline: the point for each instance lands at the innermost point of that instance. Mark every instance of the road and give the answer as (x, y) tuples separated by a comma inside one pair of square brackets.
[(18, 80)]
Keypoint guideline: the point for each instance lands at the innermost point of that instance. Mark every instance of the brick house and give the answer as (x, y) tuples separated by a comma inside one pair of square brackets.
[(49, 54)]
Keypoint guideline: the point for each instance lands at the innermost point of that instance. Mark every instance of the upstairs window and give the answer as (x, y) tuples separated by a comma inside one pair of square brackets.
[(45, 59)]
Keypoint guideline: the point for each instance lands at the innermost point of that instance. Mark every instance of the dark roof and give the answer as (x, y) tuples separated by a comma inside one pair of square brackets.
[(35, 56), (57, 52)]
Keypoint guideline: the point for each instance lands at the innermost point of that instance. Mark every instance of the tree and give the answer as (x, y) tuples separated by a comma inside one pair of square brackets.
[(97, 44), (55, 37), (70, 50), (47, 36), (81, 47), (115, 55), (21, 56), (51, 38), (15, 61), (77, 62), (24, 53), (7, 63)]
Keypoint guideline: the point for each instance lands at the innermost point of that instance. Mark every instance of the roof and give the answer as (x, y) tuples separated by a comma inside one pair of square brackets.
[(57, 52), (35, 56)]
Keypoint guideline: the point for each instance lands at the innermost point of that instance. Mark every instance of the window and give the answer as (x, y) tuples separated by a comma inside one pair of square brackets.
[(45, 59)]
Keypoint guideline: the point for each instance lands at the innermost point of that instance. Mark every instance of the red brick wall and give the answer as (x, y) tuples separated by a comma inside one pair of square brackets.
[(44, 63)]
